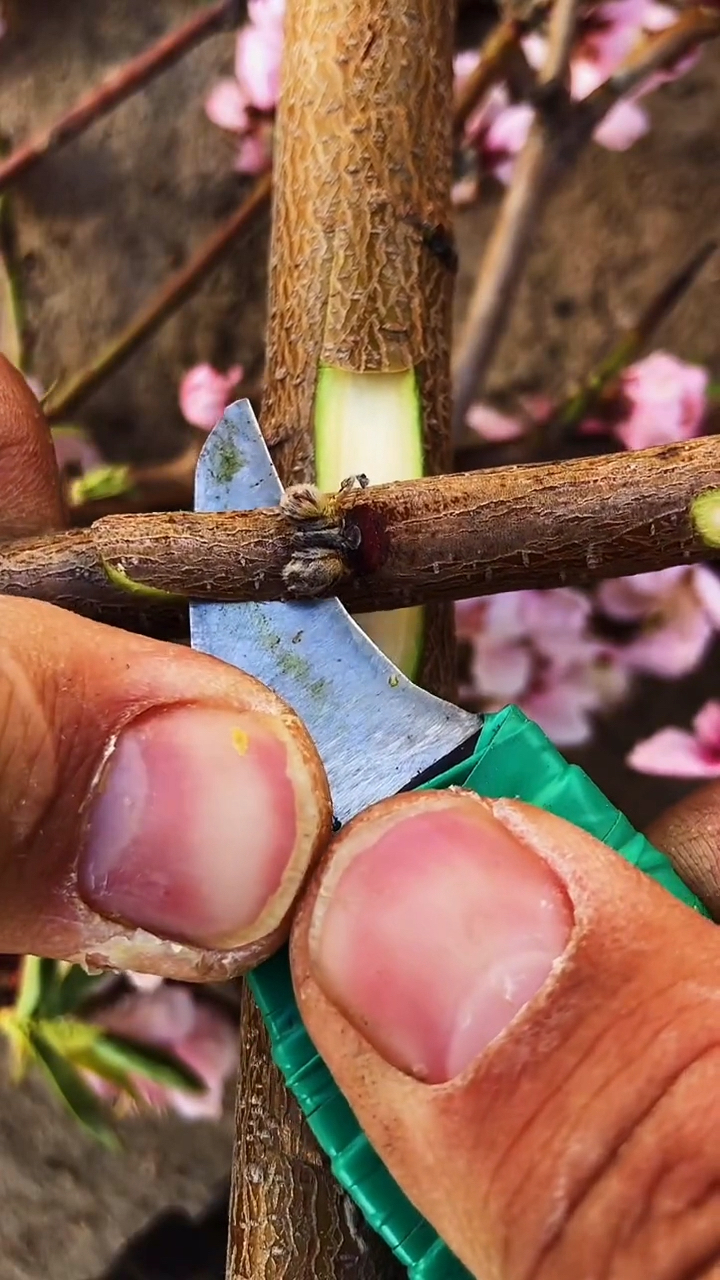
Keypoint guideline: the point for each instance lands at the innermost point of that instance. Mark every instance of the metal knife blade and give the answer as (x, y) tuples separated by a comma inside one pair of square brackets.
[(375, 730)]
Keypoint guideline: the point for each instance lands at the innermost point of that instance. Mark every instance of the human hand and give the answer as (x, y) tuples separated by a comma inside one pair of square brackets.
[(158, 808), (528, 1030)]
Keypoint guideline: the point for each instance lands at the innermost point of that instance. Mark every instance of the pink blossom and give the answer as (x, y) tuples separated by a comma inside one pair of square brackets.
[(677, 611), (195, 1031), (667, 401), (258, 55), (497, 130), (676, 753), (623, 126), (492, 425), (254, 152), (226, 106), (612, 30), (535, 648), (205, 393)]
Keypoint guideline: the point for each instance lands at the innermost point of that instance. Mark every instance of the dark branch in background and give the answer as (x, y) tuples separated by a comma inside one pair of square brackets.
[(503, 262), (118, 86), (168, 298), (601, 380), (556, 139), (440, 538)]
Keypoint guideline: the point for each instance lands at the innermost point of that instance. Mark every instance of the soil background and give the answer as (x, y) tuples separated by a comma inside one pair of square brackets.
[(96, 229)]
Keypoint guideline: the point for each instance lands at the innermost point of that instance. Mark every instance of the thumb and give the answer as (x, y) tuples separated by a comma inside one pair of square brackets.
[(528, 1030), (158, 809)]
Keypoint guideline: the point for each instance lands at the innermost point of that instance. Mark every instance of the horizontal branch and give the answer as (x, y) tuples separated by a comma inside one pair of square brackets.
[(449, 537), (118, 86)]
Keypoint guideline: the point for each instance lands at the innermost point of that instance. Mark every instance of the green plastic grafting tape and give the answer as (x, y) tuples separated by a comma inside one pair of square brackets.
[(513, 759)]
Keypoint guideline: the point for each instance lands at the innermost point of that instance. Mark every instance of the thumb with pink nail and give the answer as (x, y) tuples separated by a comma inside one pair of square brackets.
[(528, 1031)]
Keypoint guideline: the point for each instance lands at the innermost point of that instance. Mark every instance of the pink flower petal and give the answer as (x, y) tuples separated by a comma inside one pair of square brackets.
[(501, 672), (671, 650), (257, 65), (706, 586), (707, 728), (492, 425), (507, 134), (667, 400), (226, 106), (197, 1033), (205, 393), (623, 125), (658, 17), (254, 154), (673, 753), (562, 713)]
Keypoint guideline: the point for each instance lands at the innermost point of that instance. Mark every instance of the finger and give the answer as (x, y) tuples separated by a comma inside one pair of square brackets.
[(689, 833), (158, 809), (30, 495), (528, 1030)]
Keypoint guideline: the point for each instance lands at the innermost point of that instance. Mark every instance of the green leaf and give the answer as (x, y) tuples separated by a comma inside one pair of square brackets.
[(30, 986), (147, 1060), (71, 1087), (19, 1046), (100, 484), (93, 1060), (76, 986), (70, 1037)]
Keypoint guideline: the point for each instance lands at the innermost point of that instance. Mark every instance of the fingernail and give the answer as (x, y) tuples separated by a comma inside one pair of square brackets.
[(191, 826), (432, 934)]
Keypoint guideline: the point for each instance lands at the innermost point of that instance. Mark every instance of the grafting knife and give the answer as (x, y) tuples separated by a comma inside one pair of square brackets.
[(377, 734)]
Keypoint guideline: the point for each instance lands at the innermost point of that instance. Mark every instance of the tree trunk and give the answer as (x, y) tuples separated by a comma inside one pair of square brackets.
[(361, 280)]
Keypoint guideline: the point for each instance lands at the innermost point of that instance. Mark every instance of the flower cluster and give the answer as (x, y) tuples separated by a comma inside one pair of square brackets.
[(609, 31), (549, 651), (195, 1031), (658, 400), (244, 105)]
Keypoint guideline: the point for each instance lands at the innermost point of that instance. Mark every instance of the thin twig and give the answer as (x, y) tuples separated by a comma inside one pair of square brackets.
[(504, 258), (180, 285), (439, 538), (555, 141), (627, 349), (118, 86)]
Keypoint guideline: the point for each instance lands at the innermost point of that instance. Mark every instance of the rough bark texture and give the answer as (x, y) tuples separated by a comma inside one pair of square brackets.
[(362, 179), (450, 537)]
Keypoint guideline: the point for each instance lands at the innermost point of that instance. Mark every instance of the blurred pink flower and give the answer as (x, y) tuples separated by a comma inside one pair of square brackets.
[(497, 130), (609, 33), (676, 753), (667, 401), (205, 394), (492, 425), (536, 649), (226, 106), (255, 152), (258, 54), (677, 611), (256, 87), (195, 1031)]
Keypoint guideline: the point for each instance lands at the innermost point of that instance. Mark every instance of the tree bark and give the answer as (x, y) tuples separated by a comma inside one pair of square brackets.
[(362, 181)]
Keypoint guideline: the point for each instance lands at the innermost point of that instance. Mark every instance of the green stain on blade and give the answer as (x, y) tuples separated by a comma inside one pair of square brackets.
[(227, 461)]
